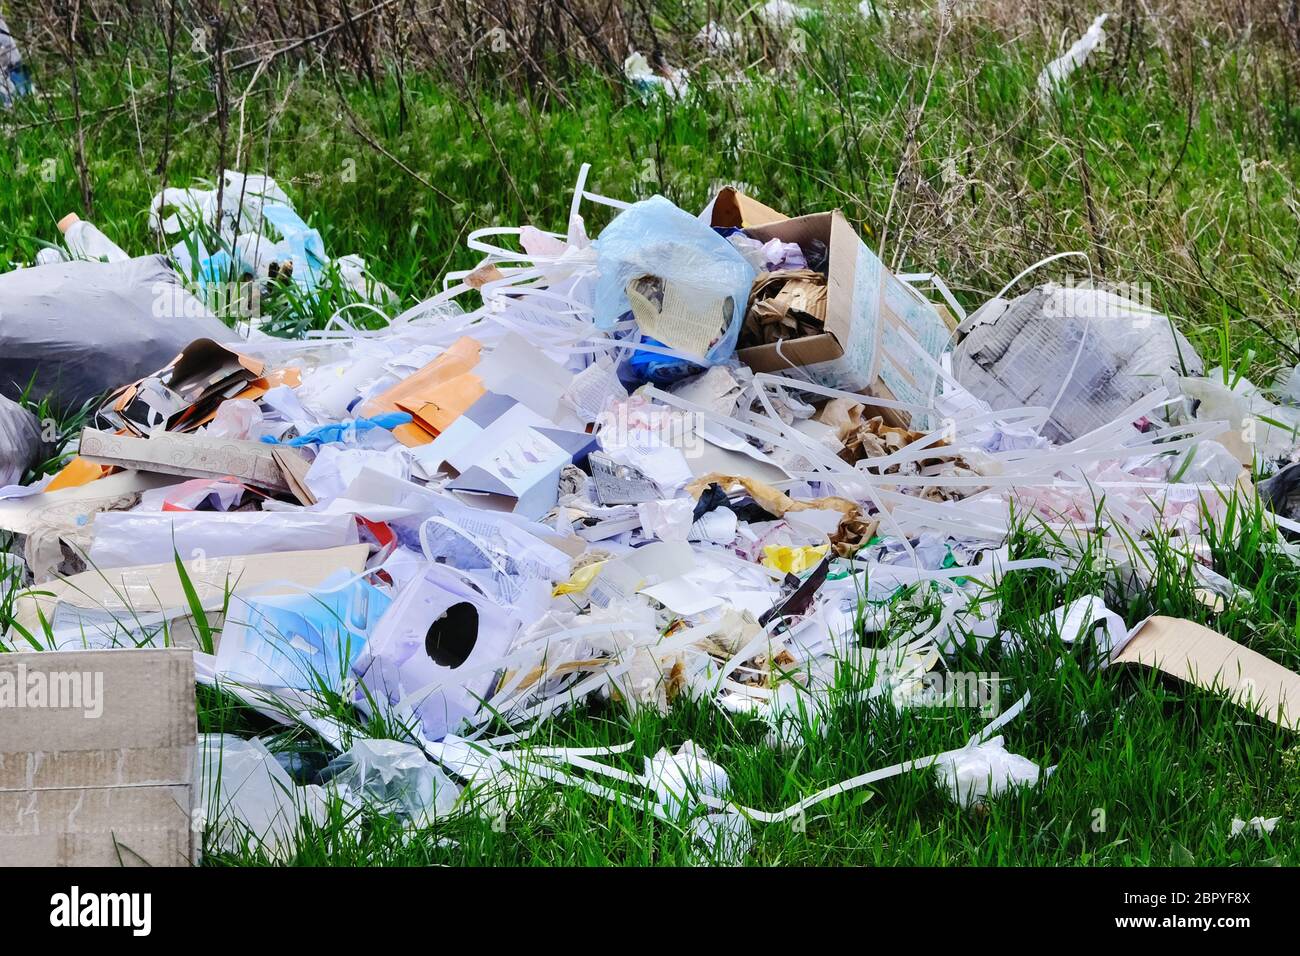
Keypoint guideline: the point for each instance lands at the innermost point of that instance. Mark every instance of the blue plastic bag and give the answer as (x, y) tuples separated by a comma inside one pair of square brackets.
[(654, 239)]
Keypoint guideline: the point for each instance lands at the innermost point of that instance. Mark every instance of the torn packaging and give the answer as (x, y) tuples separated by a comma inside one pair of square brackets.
[(186, 392), (505, 457), (435, 652), (788, 304), (436, 395), (305, 641), (619, 484), (732, 208), (99, 772), (870, 316)]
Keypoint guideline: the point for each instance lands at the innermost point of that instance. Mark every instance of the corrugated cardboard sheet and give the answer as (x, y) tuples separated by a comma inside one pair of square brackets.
[(96, 758)]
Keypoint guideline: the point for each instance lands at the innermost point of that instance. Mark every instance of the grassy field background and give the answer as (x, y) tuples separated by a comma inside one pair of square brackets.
[(1170, 160)]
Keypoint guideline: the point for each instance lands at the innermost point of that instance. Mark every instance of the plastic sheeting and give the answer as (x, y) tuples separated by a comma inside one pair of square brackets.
[(1107, 351)]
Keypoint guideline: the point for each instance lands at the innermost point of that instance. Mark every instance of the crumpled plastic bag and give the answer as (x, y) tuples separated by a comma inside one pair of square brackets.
[(1022, 352), (238, 418), (396, 776), (76, 329), (20, 441), (641, 75), (1255, 425), (1059, 70), (126, 538), (1282, 492), (704, 281), (679, 781), (1205, 463), (980, 771), (247, 797)]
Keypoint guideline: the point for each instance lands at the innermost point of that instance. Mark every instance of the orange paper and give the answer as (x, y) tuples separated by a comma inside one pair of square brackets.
[(436, 395), (76, 473)]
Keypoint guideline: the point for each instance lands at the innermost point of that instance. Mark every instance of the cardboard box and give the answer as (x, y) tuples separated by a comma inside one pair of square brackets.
[(97, 758), (867, 311)]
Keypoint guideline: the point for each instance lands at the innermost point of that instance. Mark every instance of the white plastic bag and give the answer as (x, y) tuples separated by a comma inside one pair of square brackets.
[(703, 278), (974, 774), (124, 538), (248, 798)]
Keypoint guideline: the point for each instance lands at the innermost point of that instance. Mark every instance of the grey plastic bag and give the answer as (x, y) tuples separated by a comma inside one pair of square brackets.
[(76, 329), (20, 441)]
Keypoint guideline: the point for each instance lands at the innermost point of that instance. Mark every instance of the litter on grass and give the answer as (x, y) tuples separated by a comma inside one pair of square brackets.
[(708, 457)]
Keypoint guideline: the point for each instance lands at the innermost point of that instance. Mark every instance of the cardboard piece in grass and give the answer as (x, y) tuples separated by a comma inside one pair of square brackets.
[(870, 314), (1200, 656), (97, 758)]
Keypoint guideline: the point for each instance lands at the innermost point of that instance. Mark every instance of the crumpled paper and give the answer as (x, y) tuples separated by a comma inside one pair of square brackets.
[(788, 304)]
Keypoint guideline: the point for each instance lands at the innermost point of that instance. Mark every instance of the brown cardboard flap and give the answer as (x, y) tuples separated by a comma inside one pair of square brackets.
[(732, 208), (791, 352), (1194, 653)]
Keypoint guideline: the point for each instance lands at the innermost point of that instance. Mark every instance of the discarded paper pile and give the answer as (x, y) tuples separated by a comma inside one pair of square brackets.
[(694, 457)]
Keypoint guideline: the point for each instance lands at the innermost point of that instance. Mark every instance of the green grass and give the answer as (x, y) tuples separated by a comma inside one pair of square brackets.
[(1172, 162)]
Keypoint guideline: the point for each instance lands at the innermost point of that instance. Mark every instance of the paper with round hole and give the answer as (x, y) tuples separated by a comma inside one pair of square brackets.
[(435, 651)]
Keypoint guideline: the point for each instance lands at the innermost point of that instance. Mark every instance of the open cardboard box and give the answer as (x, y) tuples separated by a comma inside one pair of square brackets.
[(867, 310)]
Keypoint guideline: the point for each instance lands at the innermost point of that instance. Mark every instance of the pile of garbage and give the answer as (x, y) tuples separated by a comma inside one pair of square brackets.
[(696, 456)]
